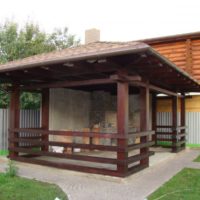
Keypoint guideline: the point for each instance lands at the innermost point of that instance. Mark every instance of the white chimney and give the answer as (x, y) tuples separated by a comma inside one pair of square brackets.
[(92, 35)]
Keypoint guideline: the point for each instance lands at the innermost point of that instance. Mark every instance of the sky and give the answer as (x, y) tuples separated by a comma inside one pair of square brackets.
[(119, 20)]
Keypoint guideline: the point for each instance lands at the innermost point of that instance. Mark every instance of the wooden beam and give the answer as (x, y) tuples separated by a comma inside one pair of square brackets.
[(122, 123), (14, 118), (182, 114), (174, 122), (154, 88), (45, 116), (70, 84), (125, 78), (144, 122), (154, 116)]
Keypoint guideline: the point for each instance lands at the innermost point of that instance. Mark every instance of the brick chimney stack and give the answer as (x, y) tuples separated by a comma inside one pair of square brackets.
[(92, 35)]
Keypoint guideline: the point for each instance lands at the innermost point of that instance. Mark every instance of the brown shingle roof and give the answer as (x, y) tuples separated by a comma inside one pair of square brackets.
[(97, 49)]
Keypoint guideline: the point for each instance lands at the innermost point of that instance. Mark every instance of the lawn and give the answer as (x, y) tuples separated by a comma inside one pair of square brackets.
[(16, 188), (183, 186), (3, 153), (197, 159)]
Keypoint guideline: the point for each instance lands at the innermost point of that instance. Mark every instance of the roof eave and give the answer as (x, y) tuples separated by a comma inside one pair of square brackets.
[(106, 53)]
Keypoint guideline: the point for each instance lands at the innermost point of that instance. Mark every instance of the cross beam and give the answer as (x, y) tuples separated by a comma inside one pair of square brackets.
[(154, 88), (135, 81)]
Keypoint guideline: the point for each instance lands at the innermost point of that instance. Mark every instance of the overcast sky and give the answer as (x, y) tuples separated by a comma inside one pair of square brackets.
[(118, 20)]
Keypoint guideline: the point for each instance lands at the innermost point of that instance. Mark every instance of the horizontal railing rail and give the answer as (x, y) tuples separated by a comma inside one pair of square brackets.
[(34, 138), (174, 135)]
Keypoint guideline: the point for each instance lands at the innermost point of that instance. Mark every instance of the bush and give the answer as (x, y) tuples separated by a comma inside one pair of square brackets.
[(11, 170)]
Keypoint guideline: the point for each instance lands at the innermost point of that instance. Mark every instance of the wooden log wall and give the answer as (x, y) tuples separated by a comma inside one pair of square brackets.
[(192, 104), (185, 54)]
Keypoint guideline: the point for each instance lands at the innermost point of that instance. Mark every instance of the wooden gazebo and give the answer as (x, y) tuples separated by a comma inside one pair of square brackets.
[(120, 68)]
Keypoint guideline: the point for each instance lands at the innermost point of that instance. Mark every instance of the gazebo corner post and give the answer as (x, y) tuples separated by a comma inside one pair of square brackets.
[(154, 117), (174, 123), (45, 117), (122, 126), (14, 120), (144, 123), (182, 118)]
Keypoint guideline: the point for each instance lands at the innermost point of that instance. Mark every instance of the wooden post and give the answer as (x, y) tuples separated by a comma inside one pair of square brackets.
[(182, 114), (144, 122), (14, 118), (45, 116), (174, 123), (154, 117), (122, 124)]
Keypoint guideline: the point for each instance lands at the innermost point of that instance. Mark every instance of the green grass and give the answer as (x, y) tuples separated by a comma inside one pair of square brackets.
[(183, 186), (197, 159), (193, 145), (3, 152), (168, 144), (16, 188), (164, 143)]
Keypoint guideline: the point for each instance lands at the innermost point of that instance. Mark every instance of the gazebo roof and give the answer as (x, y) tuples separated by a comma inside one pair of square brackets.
[(99, 60), (96, 49)]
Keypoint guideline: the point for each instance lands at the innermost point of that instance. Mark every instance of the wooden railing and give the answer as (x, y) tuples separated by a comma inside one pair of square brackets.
[(175, 137), (34, 138)]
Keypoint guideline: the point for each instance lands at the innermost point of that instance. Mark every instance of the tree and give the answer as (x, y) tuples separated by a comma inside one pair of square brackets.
[(18, 43)]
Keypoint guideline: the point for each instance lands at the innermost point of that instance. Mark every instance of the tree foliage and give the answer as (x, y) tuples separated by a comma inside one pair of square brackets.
[(19, 42)]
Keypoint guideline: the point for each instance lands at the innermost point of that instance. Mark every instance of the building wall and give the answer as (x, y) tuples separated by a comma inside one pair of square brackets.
[(192, 104), (185, 54)]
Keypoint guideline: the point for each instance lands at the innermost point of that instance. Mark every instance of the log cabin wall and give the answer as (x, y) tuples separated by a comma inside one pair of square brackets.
[(185, 53), (176, 52), (192, 104)]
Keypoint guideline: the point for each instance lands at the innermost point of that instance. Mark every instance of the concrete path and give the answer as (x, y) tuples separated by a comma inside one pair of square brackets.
[(80, 186)]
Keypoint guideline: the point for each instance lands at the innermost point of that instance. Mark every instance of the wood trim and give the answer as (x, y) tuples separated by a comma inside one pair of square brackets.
[(140, 134), (141, 146), (153, 88), (138, 157), (122, 123), (14, 117), (174, 121), (144, 120), (70, 84), (73, 145), (154, 116), (182, 114), (70, 133), (40, 131), (136, 168), (45, 116), (79, 168), (69, 156)]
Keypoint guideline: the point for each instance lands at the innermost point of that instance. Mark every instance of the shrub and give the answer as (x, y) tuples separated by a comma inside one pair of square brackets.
[(11, 170)]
